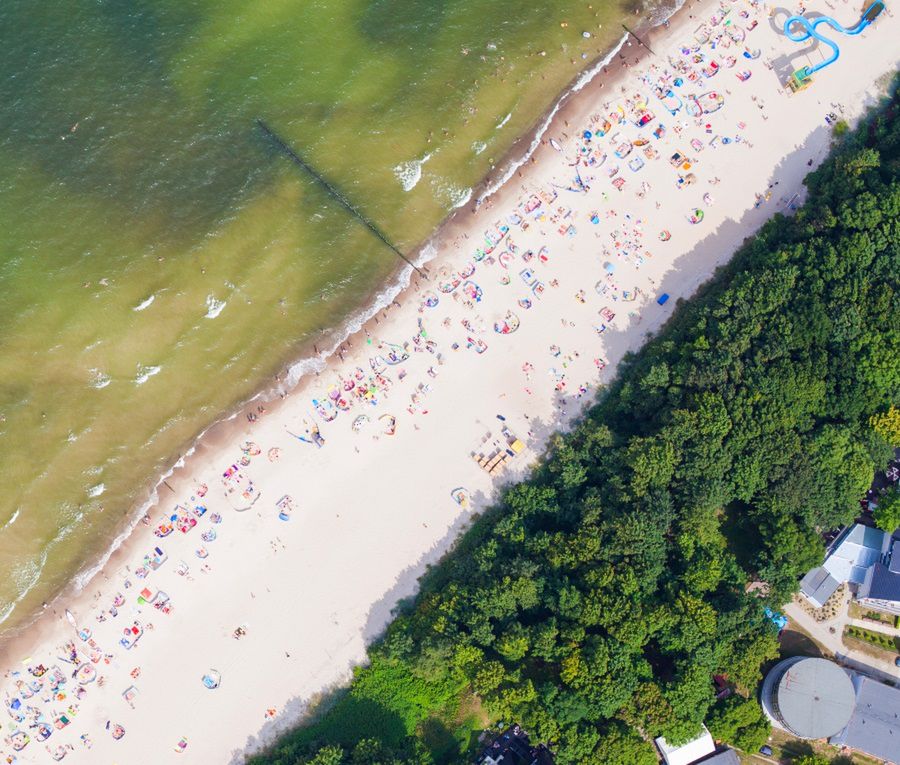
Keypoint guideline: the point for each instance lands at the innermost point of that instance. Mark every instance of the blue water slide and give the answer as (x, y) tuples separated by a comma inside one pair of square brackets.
[(808, 29)]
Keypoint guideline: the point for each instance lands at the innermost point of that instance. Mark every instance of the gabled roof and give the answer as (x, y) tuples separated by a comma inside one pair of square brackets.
[(512, 748), (881, 584), (818, 585), (854, 552), (895, 557), (874, 727)]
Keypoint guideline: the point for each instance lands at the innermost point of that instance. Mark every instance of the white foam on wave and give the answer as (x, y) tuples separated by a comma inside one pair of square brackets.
[(96, 491), (306, 366), (83, 577), (28, 574), (295, 373), (100, 380), (214, 307), (69, 528), (144, 303), (663, 12), (410, 173), (461, 196), (478, 147), (583, 80), (448, 194), (145, 373), (354, 323), (504, 121), (25, 577), (12, 520)]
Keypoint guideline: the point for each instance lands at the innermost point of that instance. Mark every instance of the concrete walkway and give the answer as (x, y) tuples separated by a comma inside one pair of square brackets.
[(879, 669), (874, 626)]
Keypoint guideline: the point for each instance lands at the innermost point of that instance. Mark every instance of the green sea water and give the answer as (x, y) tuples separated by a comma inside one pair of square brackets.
[(160, 259)]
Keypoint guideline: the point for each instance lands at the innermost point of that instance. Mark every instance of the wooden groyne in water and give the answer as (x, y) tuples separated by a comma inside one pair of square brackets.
[(334, 192)]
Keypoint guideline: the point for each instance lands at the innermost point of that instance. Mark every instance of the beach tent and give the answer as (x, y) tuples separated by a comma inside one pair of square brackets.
[(461, 497), (670, 101), (212, 679), (86, 673)]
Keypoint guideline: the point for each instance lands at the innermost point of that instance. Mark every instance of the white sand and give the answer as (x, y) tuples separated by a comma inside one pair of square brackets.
[(371, 511)]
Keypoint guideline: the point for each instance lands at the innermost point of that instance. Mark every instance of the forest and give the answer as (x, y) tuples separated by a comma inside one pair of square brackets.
[(596, 601)]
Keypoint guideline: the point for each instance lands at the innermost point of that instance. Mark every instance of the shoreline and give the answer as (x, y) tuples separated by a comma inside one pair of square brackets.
[(309, 362), (346, 572)]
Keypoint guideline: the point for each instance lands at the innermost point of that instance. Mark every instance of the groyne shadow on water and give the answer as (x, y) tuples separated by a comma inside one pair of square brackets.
[(333, 191)]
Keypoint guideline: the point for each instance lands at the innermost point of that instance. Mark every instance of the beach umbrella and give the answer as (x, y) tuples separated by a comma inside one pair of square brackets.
[(212, 679), (588, 135), (610, 267)]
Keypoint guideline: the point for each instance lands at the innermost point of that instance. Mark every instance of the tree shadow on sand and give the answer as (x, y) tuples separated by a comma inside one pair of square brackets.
[(690, 274), (358, 719)]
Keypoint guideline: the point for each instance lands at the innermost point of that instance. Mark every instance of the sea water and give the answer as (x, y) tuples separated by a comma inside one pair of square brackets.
[(161, 259)]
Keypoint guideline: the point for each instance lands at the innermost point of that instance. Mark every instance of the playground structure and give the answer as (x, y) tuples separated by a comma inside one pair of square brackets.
[(802, 78)]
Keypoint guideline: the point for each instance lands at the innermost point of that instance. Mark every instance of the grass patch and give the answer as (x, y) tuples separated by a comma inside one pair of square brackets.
[(389, 703), (880, 640), (856, 611), (786, 748)]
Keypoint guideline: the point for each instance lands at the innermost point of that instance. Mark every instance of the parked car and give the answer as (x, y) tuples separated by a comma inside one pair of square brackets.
[(766, 750)]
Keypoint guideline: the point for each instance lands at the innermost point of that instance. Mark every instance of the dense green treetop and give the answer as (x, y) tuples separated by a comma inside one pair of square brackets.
[(597, 600)]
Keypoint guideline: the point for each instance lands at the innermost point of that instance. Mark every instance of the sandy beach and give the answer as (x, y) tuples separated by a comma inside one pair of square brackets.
[(279, 549)]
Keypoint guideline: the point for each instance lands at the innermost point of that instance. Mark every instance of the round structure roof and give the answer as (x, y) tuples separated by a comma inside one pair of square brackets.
[(815, 698)]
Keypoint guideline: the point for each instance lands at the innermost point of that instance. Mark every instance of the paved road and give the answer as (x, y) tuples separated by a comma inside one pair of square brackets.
[(887, 629), (880, 669)]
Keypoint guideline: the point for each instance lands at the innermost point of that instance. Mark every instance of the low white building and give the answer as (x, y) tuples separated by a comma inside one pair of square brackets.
[(849, 559), (688, 753)]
